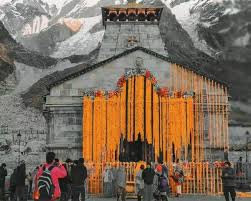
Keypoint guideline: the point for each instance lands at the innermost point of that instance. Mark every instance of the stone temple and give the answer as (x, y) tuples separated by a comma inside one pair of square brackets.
[(136, 103)]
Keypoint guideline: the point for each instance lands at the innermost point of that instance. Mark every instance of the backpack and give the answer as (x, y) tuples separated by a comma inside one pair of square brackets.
[(45, 185), (162, 183)]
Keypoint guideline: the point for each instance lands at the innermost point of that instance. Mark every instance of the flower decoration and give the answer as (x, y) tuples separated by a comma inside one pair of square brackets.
[(148, 74), (98, 93), (111, 94), (163, 92), (178, 94), (218, 164), (121, 81), (154, 81)]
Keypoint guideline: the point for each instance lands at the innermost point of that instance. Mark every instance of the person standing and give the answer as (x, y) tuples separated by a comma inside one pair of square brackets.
[(164, 168), (120, 181), (139, 183), (20, 181), (3, 174), (64, 185), (178, 177), (51, 171), (228, 177), (239, 168), (12, 188), (148, 175), (160, 184), (30, 181), (78, 177), (108, 181)]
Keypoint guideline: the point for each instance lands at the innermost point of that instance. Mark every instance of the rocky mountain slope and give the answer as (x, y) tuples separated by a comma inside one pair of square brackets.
[(19, 102), (43, 24)]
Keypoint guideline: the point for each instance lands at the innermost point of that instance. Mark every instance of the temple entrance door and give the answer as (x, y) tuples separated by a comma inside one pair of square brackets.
[(140, 122)]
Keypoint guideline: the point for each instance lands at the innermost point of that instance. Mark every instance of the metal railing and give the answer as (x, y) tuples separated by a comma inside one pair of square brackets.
[(199, 178)]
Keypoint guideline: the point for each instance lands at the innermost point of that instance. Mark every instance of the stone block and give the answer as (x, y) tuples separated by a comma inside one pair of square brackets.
[(142, 28), (145, 43), (112, 28), (67, 85), (155, 43), (143, 36)]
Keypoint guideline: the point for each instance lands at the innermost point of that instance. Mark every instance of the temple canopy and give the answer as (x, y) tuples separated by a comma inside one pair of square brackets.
[(131, 12)]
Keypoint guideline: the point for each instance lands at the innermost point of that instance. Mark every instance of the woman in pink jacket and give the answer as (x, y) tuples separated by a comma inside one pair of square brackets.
[(57, 171)]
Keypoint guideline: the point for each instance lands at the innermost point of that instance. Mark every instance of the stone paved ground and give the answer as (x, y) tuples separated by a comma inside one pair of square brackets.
[(185, 198)]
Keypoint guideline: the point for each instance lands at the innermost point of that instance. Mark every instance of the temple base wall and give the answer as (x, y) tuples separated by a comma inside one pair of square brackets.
[(65, 130)]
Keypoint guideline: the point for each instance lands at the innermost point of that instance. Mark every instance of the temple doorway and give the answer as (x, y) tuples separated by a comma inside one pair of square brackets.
[(140, 121)]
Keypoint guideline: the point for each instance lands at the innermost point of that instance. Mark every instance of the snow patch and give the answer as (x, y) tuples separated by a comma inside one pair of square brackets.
[(58, 3), (231, 11), (79, 46), (90, 3), (222, 31), (242, 41), (82, 42), (19, 2), (38, 24), (3, 2)]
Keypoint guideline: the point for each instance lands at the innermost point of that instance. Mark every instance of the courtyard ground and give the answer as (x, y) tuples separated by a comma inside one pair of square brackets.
[(185, 198)]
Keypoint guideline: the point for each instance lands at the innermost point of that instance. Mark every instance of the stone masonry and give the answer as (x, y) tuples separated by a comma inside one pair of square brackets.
[(121, 36)]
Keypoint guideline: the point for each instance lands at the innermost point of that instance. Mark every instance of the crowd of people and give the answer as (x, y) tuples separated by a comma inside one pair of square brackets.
[(151, 181), (66, 181), (51, 181)]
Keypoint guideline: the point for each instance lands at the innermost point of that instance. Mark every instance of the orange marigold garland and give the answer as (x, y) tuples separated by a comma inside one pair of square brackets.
[(121, 81), (148, 74), (98, 93), (154, 81), (163, 92)]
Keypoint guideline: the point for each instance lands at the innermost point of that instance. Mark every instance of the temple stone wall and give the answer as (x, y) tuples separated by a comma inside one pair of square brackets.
[(106, 77), (65, 130), (120, 36)]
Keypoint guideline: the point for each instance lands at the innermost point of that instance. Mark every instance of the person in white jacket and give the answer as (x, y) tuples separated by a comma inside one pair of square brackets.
[(108, 181), (139, 190)]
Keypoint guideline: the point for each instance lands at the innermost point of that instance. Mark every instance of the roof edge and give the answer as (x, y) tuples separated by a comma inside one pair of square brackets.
[(148, 51)]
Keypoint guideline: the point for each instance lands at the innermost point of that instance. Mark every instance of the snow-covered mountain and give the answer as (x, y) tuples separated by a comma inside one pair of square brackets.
[(42, 25), (217, 27)]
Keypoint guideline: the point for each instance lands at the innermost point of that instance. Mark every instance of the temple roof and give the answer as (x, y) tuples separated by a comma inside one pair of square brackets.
[(123, 12), (132, 6), (199, 71)]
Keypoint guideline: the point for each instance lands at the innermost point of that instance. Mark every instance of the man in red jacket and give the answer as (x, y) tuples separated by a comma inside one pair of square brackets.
[(58, 171)]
